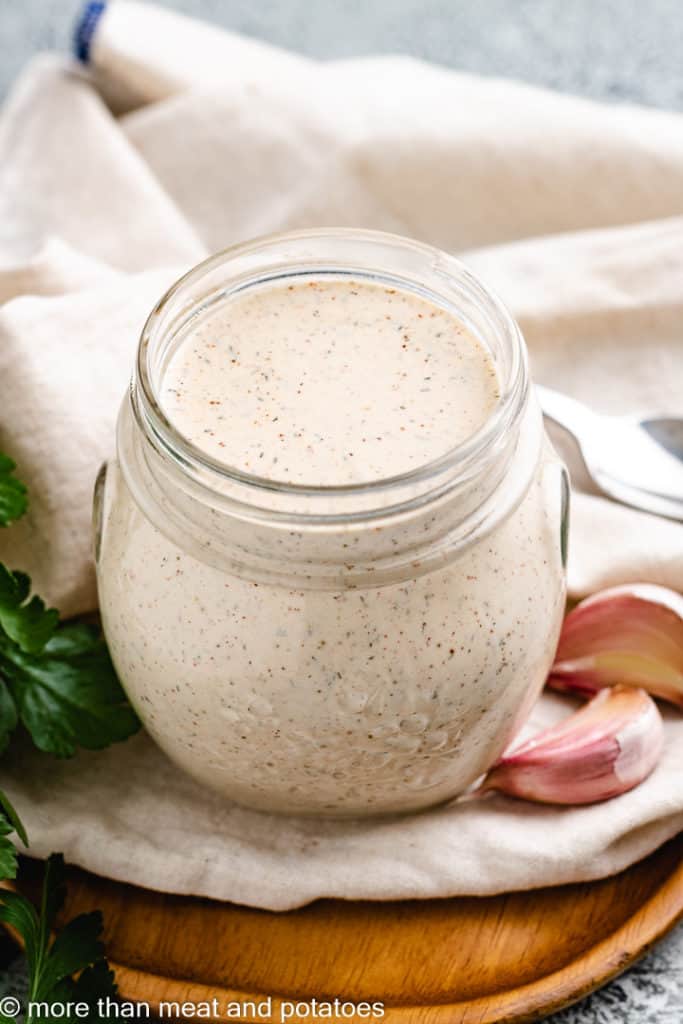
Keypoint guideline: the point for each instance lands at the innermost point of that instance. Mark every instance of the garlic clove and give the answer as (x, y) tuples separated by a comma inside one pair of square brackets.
[(604, 749), (630, 635)]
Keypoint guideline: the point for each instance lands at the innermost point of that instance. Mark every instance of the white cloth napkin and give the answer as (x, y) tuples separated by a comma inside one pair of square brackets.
[(128, 814), (183, 139)]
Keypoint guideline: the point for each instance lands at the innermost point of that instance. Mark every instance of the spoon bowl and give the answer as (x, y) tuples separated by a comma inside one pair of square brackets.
[(637, 461), (666, 431)]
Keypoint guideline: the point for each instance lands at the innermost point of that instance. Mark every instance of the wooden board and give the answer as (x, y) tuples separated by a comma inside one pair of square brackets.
[(508, 958)]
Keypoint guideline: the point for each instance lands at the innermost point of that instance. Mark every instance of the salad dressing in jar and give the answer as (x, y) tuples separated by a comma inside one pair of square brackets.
[(330, 551)]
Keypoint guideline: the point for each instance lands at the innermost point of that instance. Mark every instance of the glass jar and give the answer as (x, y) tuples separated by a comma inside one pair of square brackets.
[(334, 650)]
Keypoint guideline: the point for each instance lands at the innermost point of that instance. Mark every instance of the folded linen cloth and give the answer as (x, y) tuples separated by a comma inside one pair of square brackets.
[(129, 814), (181, 139)]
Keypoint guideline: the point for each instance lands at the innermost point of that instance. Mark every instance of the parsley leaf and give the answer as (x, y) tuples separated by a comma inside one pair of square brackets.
[(77, 948), (9, 719), (29, 623), (56, 678), (68, 694), (9, 822), (60, 682), (13, 499)]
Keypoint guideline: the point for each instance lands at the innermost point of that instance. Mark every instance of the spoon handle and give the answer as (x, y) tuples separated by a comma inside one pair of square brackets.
[(567, 412)]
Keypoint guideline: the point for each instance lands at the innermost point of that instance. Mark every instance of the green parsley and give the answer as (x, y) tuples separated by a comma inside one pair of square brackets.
[(27, 622), (9, 822), (77, 950), (13, 499), (56, 678)]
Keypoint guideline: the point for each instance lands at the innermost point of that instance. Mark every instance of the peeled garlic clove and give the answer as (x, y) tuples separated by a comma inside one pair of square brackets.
[(604, 749), (631, 635)]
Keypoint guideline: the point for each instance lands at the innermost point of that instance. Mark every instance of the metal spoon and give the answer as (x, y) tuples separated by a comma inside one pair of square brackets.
[(635, 460)]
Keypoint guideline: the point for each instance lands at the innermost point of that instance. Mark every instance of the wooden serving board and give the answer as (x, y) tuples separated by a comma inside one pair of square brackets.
[(507, 958)]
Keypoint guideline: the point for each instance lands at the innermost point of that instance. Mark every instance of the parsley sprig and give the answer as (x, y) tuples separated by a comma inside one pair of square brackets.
[(9, 822), (26, 622), (77, 949), (57, 680)]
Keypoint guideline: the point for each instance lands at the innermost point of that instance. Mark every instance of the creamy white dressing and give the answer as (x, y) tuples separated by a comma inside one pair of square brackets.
[(329, 382), (335, 701)]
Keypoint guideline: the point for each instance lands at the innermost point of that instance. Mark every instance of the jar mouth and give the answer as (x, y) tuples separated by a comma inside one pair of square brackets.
[(358, 254)]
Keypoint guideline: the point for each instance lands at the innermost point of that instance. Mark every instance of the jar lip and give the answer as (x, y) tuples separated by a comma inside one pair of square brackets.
[(165, 437)]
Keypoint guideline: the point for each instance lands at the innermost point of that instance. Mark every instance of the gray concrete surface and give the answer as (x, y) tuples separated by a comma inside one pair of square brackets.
[(620, 50), (615, 49)]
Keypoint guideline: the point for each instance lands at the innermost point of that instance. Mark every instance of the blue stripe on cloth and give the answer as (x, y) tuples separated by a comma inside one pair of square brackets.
[(85, 28)]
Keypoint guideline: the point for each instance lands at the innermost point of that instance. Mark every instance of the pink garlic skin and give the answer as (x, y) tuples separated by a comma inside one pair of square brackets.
[(630, 635), (603, 750)]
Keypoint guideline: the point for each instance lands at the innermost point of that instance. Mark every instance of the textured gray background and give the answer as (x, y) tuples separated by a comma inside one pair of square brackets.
[(616, 49), (620, 50)]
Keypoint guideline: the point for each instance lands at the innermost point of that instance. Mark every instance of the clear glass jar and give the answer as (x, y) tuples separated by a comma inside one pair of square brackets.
[(339, 650)]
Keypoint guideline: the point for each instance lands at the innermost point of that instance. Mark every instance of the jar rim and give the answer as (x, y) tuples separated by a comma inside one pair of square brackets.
[(455, 461)]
